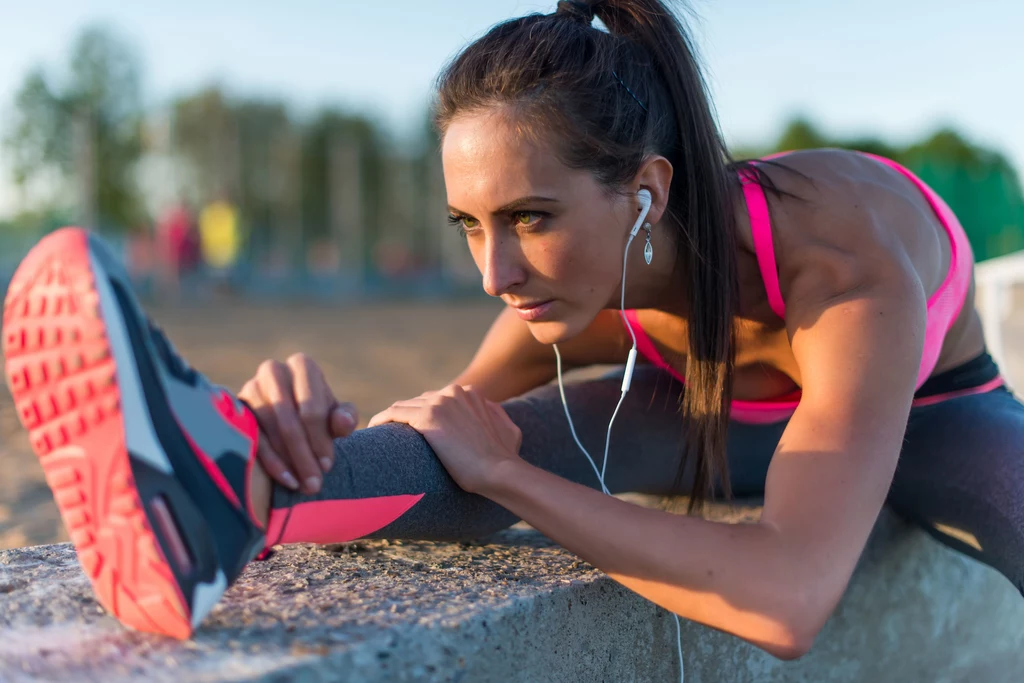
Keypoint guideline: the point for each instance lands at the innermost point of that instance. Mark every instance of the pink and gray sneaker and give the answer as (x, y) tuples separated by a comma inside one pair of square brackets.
[(148, 462)]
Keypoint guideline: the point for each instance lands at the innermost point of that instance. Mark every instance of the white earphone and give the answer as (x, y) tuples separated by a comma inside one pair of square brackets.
[(644, 197)]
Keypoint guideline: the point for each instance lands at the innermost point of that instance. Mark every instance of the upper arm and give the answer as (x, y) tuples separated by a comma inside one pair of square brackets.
[(510, 361), (856, 323)]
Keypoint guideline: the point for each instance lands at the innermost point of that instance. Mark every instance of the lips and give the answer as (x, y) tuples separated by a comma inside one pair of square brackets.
[(534, 310), (530, 306)]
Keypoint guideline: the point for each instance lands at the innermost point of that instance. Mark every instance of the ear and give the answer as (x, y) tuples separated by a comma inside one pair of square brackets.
[(655, 174)]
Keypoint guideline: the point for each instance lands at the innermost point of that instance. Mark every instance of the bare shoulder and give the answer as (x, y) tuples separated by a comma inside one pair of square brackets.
[(855, 214)]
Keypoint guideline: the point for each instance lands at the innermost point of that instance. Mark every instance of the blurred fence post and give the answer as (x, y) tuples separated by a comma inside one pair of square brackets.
[(288, 201), (347, 215), (398, 241), (84, 146), (457, 267), (232, 160)]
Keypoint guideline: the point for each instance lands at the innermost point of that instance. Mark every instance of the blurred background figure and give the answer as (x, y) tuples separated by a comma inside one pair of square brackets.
[(220, 241), (176, 248)]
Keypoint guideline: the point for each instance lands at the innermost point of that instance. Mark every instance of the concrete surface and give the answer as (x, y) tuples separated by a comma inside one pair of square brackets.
[(513, 608)]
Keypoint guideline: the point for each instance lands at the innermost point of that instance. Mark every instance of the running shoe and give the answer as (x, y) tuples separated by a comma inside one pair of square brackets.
[(147, 460)]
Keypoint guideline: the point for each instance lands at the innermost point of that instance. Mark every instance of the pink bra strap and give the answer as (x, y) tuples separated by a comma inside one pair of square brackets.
[(761, 230)]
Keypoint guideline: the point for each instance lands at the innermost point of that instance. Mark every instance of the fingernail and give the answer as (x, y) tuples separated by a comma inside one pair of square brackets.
[(325, 463), (289, 480), (347, 415), (313, 483)]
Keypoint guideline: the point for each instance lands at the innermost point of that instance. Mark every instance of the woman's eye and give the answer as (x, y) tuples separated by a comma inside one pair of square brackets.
[(525, 218), (463, 222)]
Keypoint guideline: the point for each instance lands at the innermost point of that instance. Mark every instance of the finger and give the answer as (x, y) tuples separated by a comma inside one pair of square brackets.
[(261, 405), (277, 387), (498, 411), (344, 419), (452, 390), (268, 454), (313, 402), (401, 411), (475, 400), (380, 418), (274, 466), (248, 392), (504, 419)]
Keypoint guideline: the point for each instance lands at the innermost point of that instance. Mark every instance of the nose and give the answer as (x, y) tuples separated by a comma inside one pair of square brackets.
[(501, 269)]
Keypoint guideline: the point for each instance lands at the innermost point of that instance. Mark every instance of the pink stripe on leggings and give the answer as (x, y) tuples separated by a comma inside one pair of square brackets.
[(336, 521)]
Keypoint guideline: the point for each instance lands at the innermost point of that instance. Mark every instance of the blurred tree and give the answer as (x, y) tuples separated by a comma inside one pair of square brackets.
[(256, 179), (440, 245), (81, 134), (801, 134), (980, 186), (335, 146), (202, 125)]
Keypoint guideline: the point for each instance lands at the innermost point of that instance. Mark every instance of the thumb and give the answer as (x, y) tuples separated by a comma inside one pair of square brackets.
[(343, 420)]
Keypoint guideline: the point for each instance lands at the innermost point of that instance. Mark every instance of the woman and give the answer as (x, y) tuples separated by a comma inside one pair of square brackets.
[(819, 307)]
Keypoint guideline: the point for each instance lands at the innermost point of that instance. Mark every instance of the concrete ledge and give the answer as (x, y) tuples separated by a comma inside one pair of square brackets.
[(517, 608)]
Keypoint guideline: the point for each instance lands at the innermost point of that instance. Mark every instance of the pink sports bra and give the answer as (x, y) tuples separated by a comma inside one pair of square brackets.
[(943, 306)]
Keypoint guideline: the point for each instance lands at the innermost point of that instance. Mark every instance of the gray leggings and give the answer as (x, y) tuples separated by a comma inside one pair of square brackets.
[(962, 465)]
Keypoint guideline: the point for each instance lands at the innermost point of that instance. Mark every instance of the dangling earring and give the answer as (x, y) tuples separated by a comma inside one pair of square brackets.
[(648, 249)]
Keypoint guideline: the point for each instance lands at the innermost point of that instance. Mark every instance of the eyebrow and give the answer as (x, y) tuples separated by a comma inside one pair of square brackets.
[(511, 206)]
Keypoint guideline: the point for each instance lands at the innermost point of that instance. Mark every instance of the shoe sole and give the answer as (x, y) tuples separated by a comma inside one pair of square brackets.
[(64, 380)]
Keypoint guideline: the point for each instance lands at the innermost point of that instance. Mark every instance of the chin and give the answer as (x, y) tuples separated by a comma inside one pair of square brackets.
[(557, 331)]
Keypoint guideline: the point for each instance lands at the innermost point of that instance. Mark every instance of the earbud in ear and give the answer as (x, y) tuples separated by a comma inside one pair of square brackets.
[(644, 197)]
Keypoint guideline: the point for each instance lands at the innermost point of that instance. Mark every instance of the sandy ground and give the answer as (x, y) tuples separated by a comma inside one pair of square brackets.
[(372, 355)]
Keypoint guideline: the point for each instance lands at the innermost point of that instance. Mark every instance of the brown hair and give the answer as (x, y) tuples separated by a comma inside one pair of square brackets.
[(610, 99)]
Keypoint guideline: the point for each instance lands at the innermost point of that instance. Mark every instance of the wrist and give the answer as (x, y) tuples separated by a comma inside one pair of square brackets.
[(504, 478)]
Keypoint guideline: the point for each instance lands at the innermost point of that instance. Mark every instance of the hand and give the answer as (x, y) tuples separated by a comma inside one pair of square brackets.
[(300, 418), (469, 434)]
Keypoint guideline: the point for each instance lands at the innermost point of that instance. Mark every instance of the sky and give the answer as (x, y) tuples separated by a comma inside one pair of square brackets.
[(894, 68)]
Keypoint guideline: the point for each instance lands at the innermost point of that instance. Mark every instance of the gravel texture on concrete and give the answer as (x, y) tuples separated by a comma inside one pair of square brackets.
[(514, 607)]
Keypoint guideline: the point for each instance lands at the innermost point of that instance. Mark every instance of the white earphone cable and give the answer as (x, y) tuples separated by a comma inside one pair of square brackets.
[(627, 377)]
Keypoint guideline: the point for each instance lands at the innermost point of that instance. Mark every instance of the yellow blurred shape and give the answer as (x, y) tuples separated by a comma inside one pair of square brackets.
[(219, 236)]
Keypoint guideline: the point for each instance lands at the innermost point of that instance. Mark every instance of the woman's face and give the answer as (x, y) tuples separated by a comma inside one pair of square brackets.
[(548, 240)]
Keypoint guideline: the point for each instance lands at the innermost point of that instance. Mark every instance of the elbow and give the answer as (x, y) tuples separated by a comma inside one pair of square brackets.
[(801, 628), (801, 600), (792, 648), (796, 641)]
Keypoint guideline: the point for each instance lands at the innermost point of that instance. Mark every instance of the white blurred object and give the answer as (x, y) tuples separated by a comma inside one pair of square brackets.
[(995, 280)]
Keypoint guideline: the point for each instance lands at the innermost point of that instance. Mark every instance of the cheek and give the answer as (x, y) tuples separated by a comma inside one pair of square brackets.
[(552, 258), (579, 260)]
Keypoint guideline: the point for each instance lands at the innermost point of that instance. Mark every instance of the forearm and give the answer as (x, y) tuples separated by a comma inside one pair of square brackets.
[(733, 577), (500, 384)]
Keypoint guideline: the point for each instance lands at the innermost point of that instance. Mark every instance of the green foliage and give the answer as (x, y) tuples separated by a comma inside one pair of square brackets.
[(801, 134), (99, 88), (328, 128), (201, 130), (980, 185)]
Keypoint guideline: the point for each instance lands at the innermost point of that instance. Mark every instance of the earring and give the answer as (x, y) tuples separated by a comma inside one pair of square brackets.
[(648, 249)]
